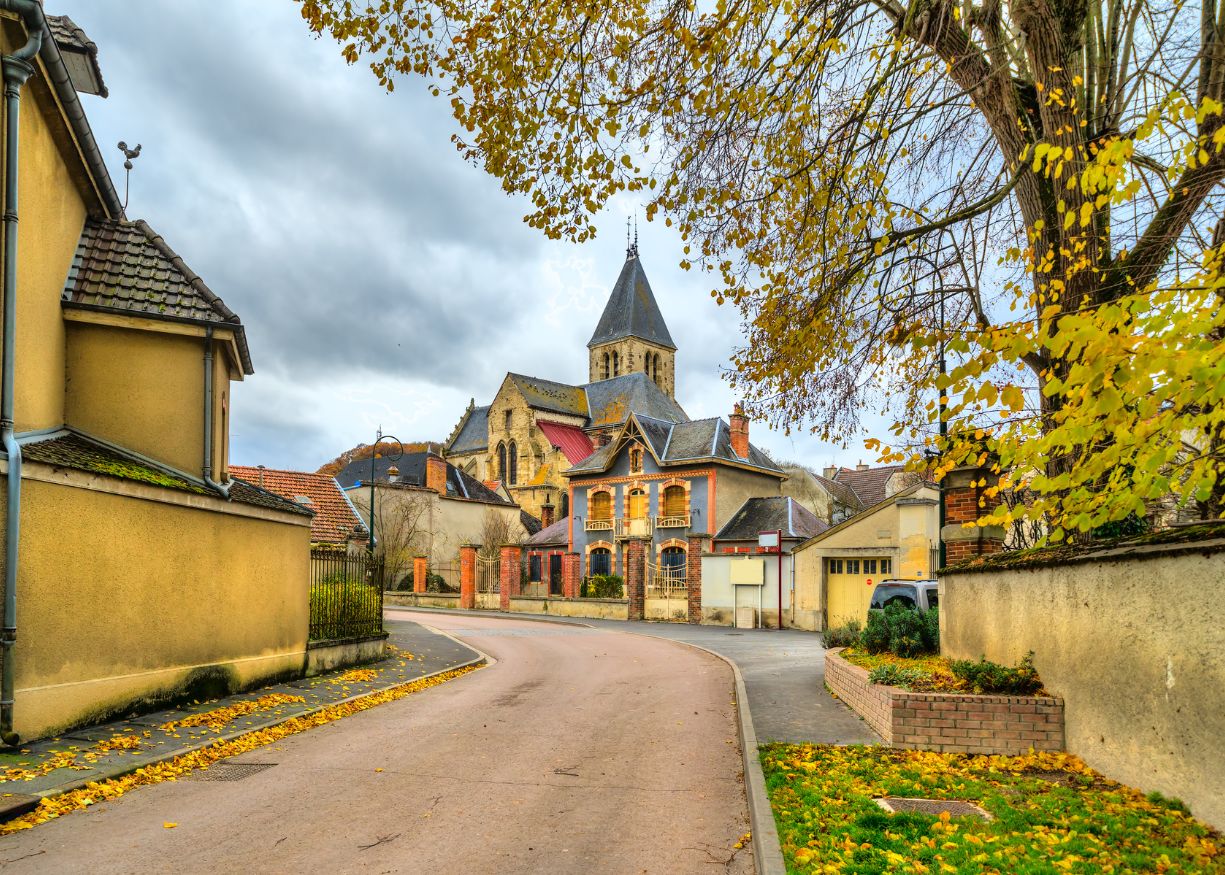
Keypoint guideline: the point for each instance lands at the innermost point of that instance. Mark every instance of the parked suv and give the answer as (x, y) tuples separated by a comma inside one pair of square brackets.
[(917, 594)]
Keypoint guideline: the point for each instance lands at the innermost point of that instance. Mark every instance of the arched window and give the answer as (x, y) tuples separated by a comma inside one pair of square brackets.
[(501, 461), (635, 460), (604, 369), (674, 501), (601, 506), (616, 364), (600, 560), (673, 559), (655, 368), (506, 420), (513, 467), (637, 507), (565, 505)]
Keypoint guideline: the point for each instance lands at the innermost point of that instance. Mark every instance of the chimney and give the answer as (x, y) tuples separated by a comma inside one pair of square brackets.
[(861, 466), (830, 472), (436, 474), (740, 432), (392, 473), (546, 514), (261, 476)]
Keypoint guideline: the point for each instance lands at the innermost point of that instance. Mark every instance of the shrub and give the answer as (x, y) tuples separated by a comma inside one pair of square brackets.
[(846, 635), (603, 586), (345, 608), (897, 676), (991, 677), (902, 631)]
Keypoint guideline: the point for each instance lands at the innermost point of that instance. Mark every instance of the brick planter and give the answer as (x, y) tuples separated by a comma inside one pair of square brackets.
[(948, 722)]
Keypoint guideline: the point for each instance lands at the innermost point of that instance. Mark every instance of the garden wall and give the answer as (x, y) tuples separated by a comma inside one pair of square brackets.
[(948, 722), (1132, 638), (422, 600)]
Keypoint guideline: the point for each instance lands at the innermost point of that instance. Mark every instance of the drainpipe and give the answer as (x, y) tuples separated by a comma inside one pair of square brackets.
[(17, 70), (223, 489)]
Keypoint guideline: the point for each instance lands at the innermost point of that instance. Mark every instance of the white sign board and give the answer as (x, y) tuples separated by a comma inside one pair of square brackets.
[(748, 571), (767, 539)]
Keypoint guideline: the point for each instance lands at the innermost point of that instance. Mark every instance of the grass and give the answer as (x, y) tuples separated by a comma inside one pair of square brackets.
[(1051, 814)]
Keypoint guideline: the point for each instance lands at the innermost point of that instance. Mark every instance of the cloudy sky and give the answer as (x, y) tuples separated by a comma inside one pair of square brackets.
[(382, 280)]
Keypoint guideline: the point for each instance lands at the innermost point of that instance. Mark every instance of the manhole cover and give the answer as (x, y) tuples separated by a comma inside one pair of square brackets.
[(229, 771), (955, 807)]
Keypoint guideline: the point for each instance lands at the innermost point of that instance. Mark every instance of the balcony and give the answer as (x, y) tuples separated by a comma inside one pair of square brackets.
[(598, 525), (672, 522), (635, 527)]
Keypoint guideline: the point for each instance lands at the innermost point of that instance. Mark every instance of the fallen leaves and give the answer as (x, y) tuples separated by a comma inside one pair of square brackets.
[(218, 717)]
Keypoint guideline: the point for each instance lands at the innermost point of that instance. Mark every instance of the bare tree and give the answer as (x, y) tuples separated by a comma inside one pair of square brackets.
[(401, 527)]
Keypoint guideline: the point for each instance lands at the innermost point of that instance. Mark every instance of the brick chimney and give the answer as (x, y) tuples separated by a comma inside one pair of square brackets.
[(546, 514), (436, 474), (862, 466), (740, 432)]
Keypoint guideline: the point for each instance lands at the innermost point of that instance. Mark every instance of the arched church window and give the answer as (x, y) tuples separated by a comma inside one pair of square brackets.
[(513, 474), (506, 420), (565, 505), (616, 364), (501, 461), (655, 368), (604, 369)]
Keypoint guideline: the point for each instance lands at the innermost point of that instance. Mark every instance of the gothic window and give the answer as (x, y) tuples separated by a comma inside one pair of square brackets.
[(600, 561), (513, 474), (506, 420), (604, 368), (565, 505), (616, 364), (601, 506), (655, 368), (501, 461)]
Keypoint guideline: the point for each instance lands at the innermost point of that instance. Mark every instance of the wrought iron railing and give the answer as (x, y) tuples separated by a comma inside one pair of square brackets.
[(672, 522), (346, 595), (598, 525)]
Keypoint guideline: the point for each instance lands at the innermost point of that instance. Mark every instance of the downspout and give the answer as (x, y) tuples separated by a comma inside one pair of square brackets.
[(17, 70), (207, 470)]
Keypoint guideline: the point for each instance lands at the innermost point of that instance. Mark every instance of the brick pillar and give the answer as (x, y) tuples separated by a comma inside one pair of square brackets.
[(570, 577), (467, 576), (965, 500), (693, 576), (509, 574), (420, 572), (635, 576)]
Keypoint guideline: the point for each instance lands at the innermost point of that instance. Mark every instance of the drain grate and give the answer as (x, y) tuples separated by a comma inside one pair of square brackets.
[(229, 771), (954, 807)]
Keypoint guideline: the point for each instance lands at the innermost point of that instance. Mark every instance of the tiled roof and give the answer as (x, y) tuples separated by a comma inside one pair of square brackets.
[(871, 485), (473, 433), (335, 521), (840, 491), (74, 43), (69, 449), (771, 514), (558, 533), (128, 267), (411, 472), (631, 310), (677, 443), (573, 442)]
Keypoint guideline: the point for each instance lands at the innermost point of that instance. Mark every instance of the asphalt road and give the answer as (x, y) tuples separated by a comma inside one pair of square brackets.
[(581, 750)]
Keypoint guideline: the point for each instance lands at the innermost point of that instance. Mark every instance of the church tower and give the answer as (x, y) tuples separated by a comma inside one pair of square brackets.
[(632, 336)]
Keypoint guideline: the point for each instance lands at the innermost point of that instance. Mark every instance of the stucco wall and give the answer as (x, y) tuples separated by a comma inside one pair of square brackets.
[(122, 599), (734, 487), (720, 599), (1136, 648)]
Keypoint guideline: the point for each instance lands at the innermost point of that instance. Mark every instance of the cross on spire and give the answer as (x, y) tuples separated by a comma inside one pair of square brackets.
[(631, 248)]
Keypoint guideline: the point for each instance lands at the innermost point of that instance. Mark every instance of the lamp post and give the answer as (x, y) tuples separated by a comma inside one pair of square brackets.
[(374, 451)]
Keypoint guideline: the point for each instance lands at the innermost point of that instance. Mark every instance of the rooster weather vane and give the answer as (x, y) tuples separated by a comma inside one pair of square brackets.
[(128, 155)]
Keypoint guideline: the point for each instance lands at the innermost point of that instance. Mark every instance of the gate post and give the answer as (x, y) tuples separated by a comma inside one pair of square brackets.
[(509, 574), (467, 576), (635, 576), (693, 576), (569, 575), (420, 572)]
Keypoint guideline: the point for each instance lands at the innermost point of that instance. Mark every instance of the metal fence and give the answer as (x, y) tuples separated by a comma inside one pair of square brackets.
[(346, 595)]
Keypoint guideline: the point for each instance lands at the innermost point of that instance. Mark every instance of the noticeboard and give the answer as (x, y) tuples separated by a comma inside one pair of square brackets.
[(748, 571)]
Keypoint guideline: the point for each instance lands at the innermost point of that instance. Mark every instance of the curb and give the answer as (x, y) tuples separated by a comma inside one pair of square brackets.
[(503, 615), (767, 851), (121, 771)]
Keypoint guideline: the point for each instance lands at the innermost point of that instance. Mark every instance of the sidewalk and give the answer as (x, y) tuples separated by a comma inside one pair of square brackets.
[(97, 753)]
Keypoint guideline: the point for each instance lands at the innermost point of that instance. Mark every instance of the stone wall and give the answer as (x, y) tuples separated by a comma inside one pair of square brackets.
[(1132, 638)]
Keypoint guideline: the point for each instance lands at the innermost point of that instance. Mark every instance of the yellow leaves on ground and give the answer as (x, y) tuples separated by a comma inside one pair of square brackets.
[(355, 676), (170, 770), (168, 824), (220, 716), (74, 758)]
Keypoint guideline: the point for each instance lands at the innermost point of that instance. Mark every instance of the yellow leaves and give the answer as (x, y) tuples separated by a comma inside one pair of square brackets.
[(169, 825), (220, 716)]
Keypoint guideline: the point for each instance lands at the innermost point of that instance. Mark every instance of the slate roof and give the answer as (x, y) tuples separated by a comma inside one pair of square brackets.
[(680, 443), (770, 514), (573, 442), (127, 267), (631, 310), (530, 524), (473, 433), (70, 449), (411, 467), (611, 401), (80, 55), (558, 533), (548, 395), (336, 519)]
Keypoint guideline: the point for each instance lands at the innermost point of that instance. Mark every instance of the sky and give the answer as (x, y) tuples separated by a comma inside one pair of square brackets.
[(383, 281)]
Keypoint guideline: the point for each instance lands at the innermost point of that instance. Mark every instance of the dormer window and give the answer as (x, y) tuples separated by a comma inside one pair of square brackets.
[(636, 460)]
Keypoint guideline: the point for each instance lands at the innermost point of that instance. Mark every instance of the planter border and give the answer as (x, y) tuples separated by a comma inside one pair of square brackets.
[(948, 722)]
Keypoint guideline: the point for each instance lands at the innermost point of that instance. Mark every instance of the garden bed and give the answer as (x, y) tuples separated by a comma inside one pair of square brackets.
[(949, 722), (919, 674), (1048, 813)]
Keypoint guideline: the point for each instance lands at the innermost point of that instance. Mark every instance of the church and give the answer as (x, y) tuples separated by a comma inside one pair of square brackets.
[(534, 430)]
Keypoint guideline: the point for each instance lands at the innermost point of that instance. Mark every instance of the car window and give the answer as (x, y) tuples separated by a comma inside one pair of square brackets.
[(895, 594), (933, 597)]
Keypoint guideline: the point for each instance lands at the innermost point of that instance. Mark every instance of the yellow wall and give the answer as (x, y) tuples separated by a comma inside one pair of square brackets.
[(121, 599), (1136, 648), (144, 390)]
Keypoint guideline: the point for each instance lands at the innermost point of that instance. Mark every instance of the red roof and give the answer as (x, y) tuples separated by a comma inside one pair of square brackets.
[(570, 439), (335, 519)]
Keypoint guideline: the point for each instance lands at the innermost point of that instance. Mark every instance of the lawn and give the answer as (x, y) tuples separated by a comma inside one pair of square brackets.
[(1051, 814)]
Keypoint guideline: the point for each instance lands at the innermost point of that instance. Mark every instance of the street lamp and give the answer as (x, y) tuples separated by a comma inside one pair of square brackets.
[(374, 451)]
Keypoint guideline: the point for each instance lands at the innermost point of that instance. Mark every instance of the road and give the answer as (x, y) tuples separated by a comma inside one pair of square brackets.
[(580, 750)]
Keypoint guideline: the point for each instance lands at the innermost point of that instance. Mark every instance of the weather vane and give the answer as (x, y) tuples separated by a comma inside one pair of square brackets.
[(631, 249), (128, 155)]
